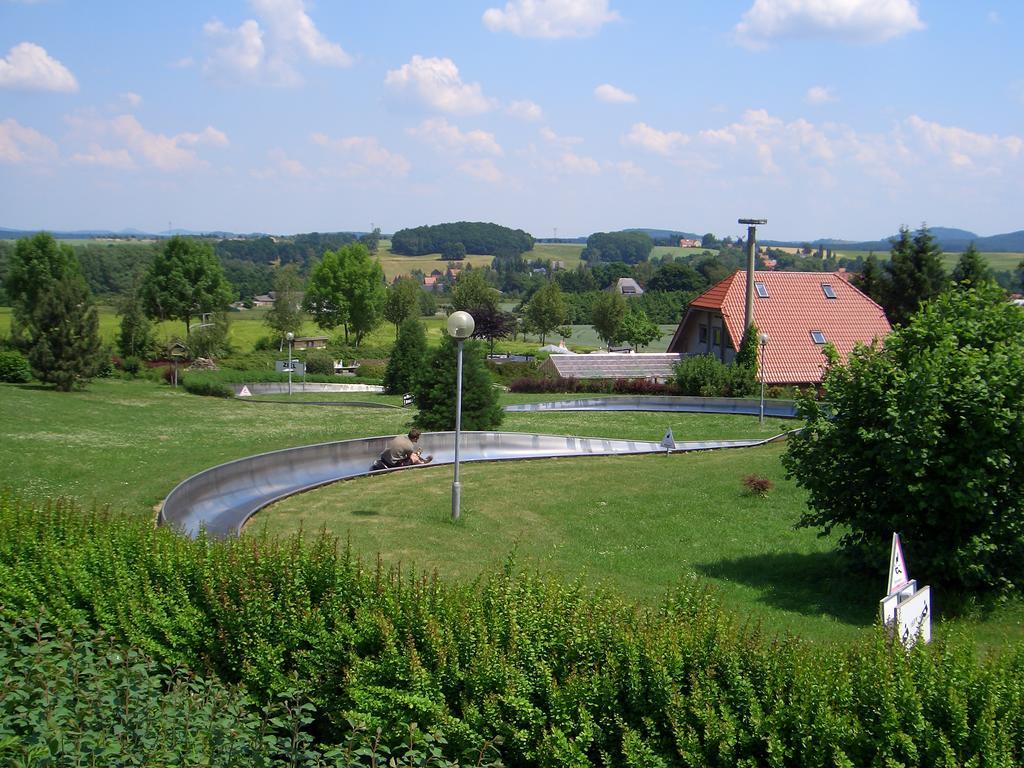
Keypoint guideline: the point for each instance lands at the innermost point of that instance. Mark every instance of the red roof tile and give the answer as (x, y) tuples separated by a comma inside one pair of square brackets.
[(796, 305)]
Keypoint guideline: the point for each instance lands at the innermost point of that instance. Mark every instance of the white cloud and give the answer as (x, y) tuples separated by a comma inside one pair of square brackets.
[(571, 163), (21, 145), (443, 135), (436, 83), (265, 53), (661, 142), (553, 138), (119, 159), (525, 110), (483, 169), (364, 156), (820, 94), (131, 99), (858, 21), (122, 142), (550, 19), (612, 95), (29, 67), (280, 165), (964, 149)]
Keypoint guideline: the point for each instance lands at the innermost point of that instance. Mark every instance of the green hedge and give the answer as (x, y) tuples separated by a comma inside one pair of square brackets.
[(565, 677), (72, 696), (222, 383)]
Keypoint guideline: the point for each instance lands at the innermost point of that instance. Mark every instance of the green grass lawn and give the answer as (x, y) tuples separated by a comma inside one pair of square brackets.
[(635, 525)]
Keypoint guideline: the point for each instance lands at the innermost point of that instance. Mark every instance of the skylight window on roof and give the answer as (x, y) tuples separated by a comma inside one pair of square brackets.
[(762, 290), (828, 291), (818, 337)]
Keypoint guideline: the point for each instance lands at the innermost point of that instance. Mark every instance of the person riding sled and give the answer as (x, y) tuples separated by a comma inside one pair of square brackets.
[(402, 451)]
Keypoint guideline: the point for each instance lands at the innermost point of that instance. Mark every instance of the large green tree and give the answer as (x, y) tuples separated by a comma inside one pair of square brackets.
[(435, 390), (402, 302), (407, 358), (546, 310), (925, 437), (347, 288), (638, 330), (286, 315), (473, 292), (607, 314), (184, 281), (37, 263), (915, 274)]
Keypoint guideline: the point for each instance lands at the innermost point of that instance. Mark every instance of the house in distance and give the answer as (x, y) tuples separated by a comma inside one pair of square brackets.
[(799, 311)]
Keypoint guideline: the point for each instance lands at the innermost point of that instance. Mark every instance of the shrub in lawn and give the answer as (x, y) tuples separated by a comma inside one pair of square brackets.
[(756, 485), (707, 376), (320, 362), (564, 676), (131, 365), (14, 367), (205, 385), (374, 371), (434, 390)]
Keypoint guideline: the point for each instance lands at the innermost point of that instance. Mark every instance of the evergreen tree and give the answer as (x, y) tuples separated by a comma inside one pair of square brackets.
[(435, 390), (62, 333), (872, 280), (407, 358), (915, 272), (971, 270), (37, 264), (135, 335)]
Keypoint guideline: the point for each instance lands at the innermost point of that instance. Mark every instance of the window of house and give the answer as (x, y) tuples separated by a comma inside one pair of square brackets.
[(818, 337), (828, 291), (762, 290), (716, 336), (702, 334)]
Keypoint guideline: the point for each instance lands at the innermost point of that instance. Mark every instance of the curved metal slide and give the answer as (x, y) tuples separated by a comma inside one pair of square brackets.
[(221, 499)]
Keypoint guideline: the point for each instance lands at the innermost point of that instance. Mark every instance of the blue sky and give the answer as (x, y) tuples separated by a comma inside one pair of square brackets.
[(830, 118)]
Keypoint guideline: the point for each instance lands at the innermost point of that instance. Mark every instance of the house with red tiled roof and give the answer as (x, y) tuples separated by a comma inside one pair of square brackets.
[(799, 311)]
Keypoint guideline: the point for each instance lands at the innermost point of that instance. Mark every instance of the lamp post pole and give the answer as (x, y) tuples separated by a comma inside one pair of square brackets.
[(290, 336), (763, 339), (460, 328)]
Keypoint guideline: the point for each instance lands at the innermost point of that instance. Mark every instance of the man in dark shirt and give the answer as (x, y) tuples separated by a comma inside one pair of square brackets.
[(402, 451)]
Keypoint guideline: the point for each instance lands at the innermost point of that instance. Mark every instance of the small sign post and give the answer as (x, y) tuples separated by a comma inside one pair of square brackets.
[(906, 610), (668, 442)]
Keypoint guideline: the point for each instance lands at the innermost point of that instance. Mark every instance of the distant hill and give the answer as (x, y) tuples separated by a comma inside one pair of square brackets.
[(665, 234), (949, 239)]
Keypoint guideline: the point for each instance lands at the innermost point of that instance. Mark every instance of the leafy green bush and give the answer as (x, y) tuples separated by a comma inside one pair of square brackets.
[(371, 371), (564, 676), (131, 365), (14, 367), (926, 437), (707, 376), (72, 696), (319, 363)]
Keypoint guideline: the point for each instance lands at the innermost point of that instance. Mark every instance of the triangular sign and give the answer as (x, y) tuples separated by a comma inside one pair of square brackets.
[(898, 576), (245, 392), (668, 442)]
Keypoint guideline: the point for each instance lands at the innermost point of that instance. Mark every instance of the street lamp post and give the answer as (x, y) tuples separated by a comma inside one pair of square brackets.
[(291, 337), (763, 340), (460, 328)]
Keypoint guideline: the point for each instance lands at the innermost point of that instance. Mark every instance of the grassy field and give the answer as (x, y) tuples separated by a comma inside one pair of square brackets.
[(635, 525)]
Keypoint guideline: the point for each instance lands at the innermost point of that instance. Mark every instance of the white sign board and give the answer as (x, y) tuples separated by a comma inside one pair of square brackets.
[(668, 441), (914, 618), (889, 603), (898, 576), (245, 392)]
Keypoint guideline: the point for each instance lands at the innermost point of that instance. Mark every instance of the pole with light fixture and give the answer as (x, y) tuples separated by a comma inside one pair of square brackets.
[(460, 328), (763, 341), (290, 336)]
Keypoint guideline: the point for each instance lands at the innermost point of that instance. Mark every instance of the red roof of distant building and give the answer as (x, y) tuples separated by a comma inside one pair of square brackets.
[(795, 305)]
